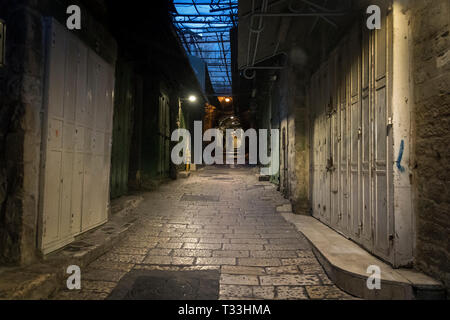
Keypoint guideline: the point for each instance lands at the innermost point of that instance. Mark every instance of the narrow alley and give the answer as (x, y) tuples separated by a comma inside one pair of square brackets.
[(221, 220), (190, 150)]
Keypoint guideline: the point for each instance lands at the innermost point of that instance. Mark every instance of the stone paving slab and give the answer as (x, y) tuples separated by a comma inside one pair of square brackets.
[(242, 235)]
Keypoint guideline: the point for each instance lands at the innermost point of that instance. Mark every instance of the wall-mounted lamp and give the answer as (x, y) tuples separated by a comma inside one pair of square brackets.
[(227, 100), (192, 98)]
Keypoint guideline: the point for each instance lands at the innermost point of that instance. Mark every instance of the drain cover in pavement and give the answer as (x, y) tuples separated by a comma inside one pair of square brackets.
[(168, 285), (204, 198)]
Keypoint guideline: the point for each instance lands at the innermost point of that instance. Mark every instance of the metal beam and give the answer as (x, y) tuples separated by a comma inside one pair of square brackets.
[(303, 14)]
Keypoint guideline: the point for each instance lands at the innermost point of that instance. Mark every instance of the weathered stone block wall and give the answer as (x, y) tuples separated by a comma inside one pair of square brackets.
[(300, 188), (21, 103), (21, 84), (288, 109), (431, 71)]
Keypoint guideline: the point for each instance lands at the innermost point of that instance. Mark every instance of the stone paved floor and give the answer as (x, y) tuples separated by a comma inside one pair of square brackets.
[(259, 255)]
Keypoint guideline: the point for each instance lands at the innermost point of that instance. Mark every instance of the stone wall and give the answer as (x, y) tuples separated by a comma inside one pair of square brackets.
[(21, 92), (431, 71), (21, 84)]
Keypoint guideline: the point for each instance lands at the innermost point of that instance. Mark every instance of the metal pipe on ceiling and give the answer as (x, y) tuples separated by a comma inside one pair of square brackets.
[(256, 31), (303, 14)]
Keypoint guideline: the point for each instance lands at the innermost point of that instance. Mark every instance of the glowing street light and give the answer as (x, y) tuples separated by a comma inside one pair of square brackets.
[(192, 98), (227, 100)]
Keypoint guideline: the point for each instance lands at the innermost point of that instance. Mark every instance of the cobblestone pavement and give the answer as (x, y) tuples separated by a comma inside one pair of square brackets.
[(237, 231)]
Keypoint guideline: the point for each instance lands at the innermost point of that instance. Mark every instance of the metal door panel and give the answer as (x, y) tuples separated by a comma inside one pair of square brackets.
[(383, 219), (79, 139), (355, 134), (70, 200), (65, 224), (315, 148), (97, 187), (366, 130), (327, 139), (77, 193), (52, 198), (358, 132), (69, 137), (57, 61), (354, 169), (82, 94), (92, 70), (366, 213), (101, 102), (343, 214), (55, 134), (334, 145), (99, 143), (88, 180), (88, 140), (70, 79)]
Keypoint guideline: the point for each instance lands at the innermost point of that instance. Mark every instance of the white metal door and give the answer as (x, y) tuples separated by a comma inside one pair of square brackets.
[(351, 96), (76, 139)]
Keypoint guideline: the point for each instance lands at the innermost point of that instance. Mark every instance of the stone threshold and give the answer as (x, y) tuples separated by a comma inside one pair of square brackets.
[(346, 264), (42, 279)]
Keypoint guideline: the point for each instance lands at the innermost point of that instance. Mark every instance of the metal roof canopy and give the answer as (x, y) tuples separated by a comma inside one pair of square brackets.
[(203, 26)]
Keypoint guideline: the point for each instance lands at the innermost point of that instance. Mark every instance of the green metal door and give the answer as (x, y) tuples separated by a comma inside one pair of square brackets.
[(122, 131)]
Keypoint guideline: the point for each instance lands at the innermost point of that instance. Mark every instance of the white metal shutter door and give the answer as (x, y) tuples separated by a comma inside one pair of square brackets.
[(323, 143), (97, 150), (325, 94), (80, 140), (334, 160), (317, 143), (89, 135), (52, 141), (72, 137), (343, 139), (355, 133), (366, 144), (382, 203), (361, 150)]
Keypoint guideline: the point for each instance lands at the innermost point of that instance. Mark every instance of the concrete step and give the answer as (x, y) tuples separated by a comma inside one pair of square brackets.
[(41, 280), (183, 174), (346, 264)]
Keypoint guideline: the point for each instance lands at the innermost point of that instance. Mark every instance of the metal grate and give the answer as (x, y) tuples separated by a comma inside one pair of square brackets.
[(168, 285), (204, 27)]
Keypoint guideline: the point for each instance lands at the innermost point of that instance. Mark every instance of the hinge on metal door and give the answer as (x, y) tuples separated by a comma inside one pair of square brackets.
[(340, 216), (359, 132)]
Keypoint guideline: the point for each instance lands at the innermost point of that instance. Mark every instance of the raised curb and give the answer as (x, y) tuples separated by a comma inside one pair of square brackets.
[(40, 281), (346, 264)]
